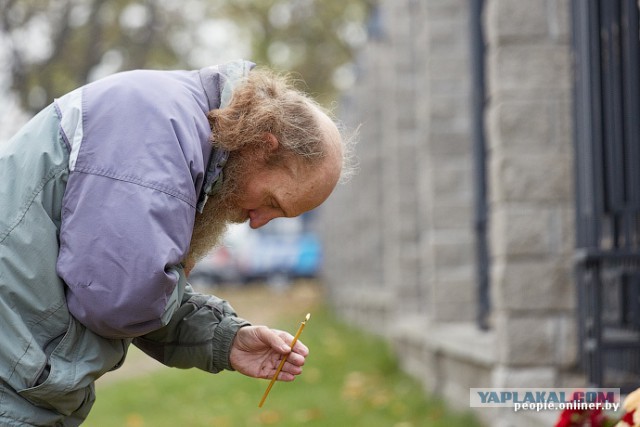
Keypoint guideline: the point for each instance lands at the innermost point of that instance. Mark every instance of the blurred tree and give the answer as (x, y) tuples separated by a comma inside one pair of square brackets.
[(314, 38), (52, 47), (56, 46)]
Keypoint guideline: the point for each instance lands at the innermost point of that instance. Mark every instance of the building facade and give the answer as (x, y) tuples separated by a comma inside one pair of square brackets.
[(491, 232)]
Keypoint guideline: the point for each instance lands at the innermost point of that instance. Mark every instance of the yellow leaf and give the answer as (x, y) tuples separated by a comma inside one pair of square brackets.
[(134, 420)]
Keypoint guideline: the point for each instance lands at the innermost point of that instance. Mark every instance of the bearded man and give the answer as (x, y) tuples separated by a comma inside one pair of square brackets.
[(107, 199)]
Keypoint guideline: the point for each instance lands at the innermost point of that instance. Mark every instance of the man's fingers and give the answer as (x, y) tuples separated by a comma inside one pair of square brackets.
[(295, 359), (298, 348), (285, 376), (274, 340), (288, 373)]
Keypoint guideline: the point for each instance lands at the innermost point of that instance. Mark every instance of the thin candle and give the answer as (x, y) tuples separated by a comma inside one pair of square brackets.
[(284, 359)]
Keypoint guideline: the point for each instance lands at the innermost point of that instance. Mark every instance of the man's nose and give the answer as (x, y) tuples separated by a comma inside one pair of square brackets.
[(260, 217)]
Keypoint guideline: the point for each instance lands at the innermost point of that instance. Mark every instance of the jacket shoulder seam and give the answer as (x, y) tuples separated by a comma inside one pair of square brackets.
[(137, 181)]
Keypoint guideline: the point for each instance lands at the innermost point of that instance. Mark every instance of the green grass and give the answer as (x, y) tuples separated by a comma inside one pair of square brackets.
[(350, 379)]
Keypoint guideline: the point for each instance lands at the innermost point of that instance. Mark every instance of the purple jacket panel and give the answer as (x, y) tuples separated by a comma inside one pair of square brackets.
[(148, 127), (129, 206)]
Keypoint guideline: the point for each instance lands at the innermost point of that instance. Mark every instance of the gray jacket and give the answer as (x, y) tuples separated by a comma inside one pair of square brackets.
[(98, 195)]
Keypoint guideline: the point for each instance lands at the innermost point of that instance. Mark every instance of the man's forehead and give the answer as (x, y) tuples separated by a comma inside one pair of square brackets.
[(312, 188)]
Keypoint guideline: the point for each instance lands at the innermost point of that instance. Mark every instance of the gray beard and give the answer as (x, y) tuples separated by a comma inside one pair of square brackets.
[(208, 229), (219, 212)]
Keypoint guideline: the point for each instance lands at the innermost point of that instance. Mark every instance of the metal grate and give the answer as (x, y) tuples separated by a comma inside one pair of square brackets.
[(607, 148)]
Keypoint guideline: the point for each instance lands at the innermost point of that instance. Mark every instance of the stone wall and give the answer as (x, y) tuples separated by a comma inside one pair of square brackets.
[(399, 236)]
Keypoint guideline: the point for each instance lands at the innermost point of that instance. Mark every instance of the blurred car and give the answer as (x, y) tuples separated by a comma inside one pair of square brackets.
[(218, 267), (282, 250), (276, 252)]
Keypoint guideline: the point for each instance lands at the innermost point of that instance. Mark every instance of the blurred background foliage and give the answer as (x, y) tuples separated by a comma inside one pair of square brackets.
[(51, 47)]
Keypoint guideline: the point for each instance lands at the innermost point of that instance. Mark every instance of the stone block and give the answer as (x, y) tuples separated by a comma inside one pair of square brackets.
[(516, 20), (443, 10), (451, 85), (448, 37), (525, 341), (559, 19), (463, 274), (456, 216), (413, 356), (406, 110), (524, 231), (448, 360), (566, 236), (529, 69), (408, 227), (521, 124), (562, 116), (532, 285), (451, 182), (452, 301), (566, 354), (453, 253), (535, 177), (450, 144), (450, 113), (458, 377), (508, 377), (448, 67)]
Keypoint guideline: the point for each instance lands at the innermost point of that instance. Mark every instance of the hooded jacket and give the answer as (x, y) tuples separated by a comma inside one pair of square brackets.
[(98, 195)]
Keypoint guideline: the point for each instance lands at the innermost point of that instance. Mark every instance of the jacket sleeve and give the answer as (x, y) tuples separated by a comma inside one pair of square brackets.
[(199, 334)]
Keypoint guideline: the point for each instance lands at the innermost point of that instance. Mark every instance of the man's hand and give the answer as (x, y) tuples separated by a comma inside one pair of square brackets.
[(257, 350)]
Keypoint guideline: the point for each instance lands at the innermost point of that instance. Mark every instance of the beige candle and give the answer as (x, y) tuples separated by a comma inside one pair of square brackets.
[(284, 359)]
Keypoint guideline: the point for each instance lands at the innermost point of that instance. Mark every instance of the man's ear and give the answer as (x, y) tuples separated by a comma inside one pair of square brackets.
[(272, 141)]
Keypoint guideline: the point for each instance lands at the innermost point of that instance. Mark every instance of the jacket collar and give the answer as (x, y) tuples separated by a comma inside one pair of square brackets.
[(218, 82)]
